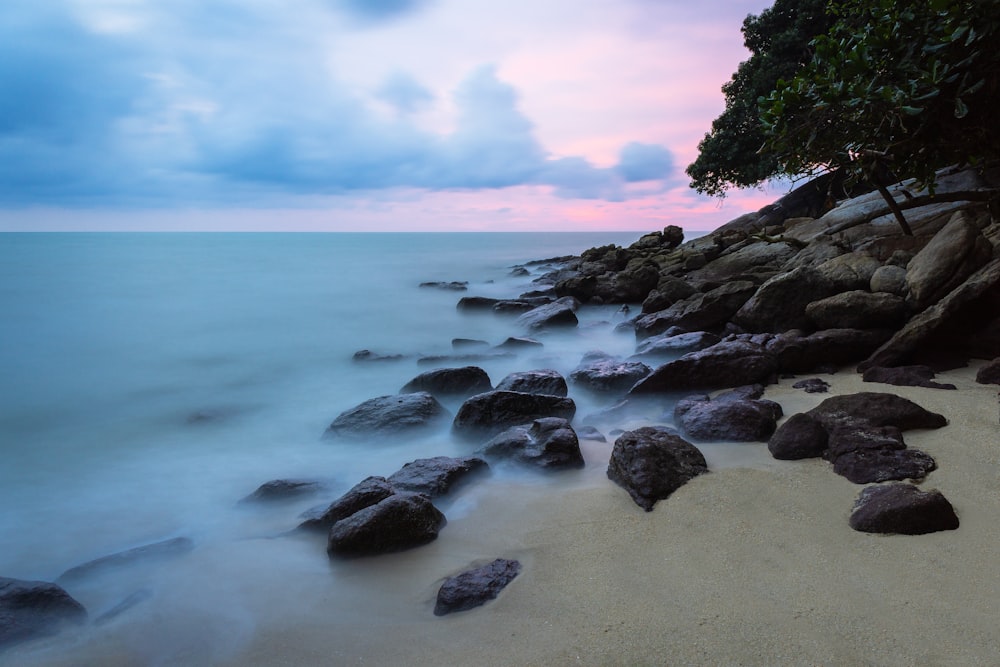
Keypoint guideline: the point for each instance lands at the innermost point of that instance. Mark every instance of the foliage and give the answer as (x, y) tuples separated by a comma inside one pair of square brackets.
[(895, 88), (778, 41)]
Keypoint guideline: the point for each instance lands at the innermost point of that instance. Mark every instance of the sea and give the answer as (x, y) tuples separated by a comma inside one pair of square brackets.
[(150, 381)]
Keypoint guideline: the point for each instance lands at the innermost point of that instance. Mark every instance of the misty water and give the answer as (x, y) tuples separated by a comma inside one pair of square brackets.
[(150, 381)]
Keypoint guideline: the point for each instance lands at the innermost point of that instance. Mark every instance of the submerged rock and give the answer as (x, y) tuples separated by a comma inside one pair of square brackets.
[(542, 381), (436, 476), (475, 587), (145, 553), (364, 494), (32, 609), (486, 415), (400, 521), (450, 382), (389, 415), (902, 509), (651, 463), (549, 443), (609, 375), (282, 489), (558, 314)]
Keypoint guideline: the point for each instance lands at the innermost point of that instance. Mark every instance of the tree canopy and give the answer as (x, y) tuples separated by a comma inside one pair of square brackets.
[(883, 88)]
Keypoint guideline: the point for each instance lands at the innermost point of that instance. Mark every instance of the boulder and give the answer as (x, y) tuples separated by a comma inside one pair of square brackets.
[(468, 343), (436, 476), (558, 314), (753, 260), (780, 303), (849, 272), (590, 433), (889, 279), (848, 440), (826, 350), (858, 310), (156, 551), (549, 442), (32, 609), (705, 311), (905, 376), (609, 375), (812, 385), (476, 303), (389, 415), (485, 415), (454, 285), (670, 344), (283, 489), (864, 466), (731, 363), (542, 381), (400, 521), (669, 290), (450, 382), (865, 409), (367, 355), (475, 587), (364, 494), (954, 254), (800, 437), (651, 463), (519, 343), (729, 417), (902, 509), (989, 373)]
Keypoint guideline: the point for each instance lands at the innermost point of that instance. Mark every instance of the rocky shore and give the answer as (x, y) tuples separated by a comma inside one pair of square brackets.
[(731, 330)]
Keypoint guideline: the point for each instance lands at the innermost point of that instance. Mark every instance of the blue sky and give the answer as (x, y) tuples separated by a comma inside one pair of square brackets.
[(361, 114)]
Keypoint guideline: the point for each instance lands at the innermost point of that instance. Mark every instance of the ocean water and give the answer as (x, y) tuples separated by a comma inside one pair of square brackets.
[(150, 381)]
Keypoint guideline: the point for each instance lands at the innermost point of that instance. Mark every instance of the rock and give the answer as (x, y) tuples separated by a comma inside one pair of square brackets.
[(705, 311), (954, 254), (400, 521), (389, 415), (129, 602), (366, 493), (436, 476), (31, 609), (549, 443), (972, 297), (753, 260), (857, 310), (476, 303), (485, 415), (826, 350), (609, 376), (519, 343), (454, 285), (905, 376), (849, 272), (669, 290), (558, 314), (864, 466), (283, 489), (475, 587), (800, 437), (651, 463), (448, 382), (590, 433), (730, 363), (146, 553), (673, 344), (902, 509), (990, 373), (852, 411), (368, 355), (468, 343), (728, 418), (889, 279), (477, 357), (812, 385), (780, 303), (847, 440), (542, 381), (513, 307)]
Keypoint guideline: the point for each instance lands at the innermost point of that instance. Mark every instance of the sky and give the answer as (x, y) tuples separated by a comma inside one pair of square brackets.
[(363, 115)]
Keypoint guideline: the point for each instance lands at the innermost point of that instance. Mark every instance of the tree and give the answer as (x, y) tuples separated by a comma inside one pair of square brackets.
[(894, 90), (779, 43)]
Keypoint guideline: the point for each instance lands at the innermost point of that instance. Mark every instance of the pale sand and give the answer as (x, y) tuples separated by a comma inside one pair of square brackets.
[(751, 565)]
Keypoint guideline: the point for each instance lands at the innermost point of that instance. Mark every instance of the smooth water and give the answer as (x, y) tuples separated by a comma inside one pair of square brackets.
[(149, 381)]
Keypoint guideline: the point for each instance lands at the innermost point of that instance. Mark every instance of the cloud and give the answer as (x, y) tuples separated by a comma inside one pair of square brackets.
[(644, 162), (378, 11), (404, 93)]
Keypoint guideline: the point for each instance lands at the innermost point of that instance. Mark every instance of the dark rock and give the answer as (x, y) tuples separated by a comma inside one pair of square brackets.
[(474, 303), (751, 259), (283, 489), (780, 303), (366, 493), (455, 285), (850, 271), (518, 343), (389, 415), (609, 376), (954, 254), (558, 314), (989, 373), (31, 609), (401, 521), (800, 437), (468, 343), (902, 509), (548, 443), (726, 364), (890, 279), (651, 463), (672, 344), (847, 440), (436, 476), (858, 310), (864, 466), (450, 382), (475, 587), (542, 381), (699, 312), (668, 291), (485, 415), (368, 355), (519, 272), (146, 553), (824, 350), (590, 433), (905, 376), (864, 409), (129, 602), (727, 418), (513, 307), (812, 385)]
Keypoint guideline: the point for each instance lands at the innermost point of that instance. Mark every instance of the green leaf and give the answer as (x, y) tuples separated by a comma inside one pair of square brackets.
[(913, 111), (961, 110)]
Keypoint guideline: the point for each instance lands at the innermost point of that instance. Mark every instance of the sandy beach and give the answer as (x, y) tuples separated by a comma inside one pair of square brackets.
[(753, 564)]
